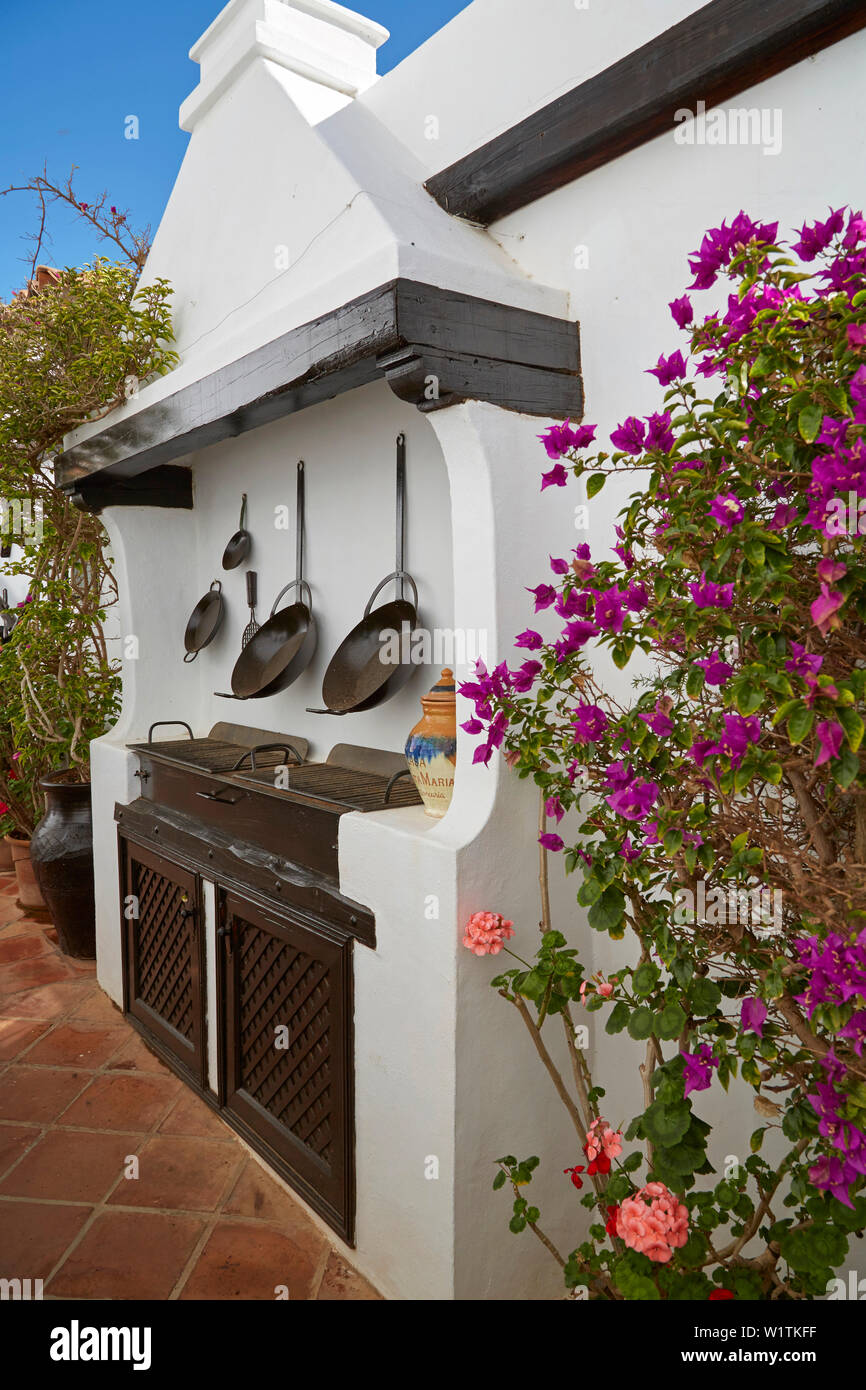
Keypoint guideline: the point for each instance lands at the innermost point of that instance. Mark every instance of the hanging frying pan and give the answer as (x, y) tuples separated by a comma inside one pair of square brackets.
[(205, 621), (284, 646), (358, 678), (240, 544)]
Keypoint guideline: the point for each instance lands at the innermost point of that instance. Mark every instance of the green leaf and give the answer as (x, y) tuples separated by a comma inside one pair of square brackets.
[(704, 998), (853, 726), (645, 979), (619, 1018), (608, 912), (671, 1022), (594, 484), (499, 1181), (800, 722), (640, 1025), (809, 422)]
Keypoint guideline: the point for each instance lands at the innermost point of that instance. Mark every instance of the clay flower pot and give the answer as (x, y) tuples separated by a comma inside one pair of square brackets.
[(431, 750), (5, 855), (29, 895), (62, 850)]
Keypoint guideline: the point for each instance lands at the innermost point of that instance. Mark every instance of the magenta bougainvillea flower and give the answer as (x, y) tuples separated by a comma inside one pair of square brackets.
[(825, 609), (530, 640), (590, 724), (545, 596), (668, 369), (557, 477), (609, 610), (658, 720), (559, 439), (629, 436), (830, 736), (682, 312), (659, 434), (635, 801), (551, 842), (486, 933), (716, 670), (816, 238), (727, 510), (753, 1014), (698, 1068), (708, 594)]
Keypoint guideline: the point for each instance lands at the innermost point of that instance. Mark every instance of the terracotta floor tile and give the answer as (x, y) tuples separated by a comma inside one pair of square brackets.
[(135, 1055), (22, 948), (97, 1007), (16, 1034), (77, 1044), (30, 974), (128, 1255), (14, 1141), (257, 1195), (37, 1094), (122, 1102), (193, 1116), (69, 1167), (249, 1262), (52, 1001), (180, 1174), (34, 1236), (342, 1282)]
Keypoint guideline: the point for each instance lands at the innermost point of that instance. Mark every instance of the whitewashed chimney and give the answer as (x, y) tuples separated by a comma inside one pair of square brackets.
[(328, 52)]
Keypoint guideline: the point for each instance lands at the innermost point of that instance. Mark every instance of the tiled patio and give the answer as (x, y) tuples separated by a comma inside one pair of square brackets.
[(80, 1095)]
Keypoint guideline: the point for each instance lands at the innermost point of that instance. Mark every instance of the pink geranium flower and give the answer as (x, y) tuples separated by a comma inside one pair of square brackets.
[(486, 933), (653, 1222)]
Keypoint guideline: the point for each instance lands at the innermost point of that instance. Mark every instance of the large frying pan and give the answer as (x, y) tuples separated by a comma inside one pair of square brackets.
[(357, 678), (284, 646), (205, 621)]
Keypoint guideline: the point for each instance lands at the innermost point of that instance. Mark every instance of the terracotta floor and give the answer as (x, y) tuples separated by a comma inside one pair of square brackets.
[(116, 1180)]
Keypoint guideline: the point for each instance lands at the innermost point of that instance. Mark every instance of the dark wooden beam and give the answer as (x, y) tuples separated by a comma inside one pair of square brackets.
[(459, 348), (166, 486), (720, 50)]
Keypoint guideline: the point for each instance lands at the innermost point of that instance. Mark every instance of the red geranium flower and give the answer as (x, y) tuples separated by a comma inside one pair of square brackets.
[(718, 1294), (575, 1178), (610, 1226)]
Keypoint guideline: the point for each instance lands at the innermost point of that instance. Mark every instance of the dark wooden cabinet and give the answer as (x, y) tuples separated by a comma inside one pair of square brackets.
[(286, 1048), (163, 949), (282, 1014)]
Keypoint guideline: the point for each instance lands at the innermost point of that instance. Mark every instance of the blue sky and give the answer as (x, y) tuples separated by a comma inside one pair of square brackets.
[(74, 69)]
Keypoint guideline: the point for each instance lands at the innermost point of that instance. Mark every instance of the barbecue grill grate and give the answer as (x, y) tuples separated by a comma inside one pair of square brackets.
[(343, 786), (207, 754)]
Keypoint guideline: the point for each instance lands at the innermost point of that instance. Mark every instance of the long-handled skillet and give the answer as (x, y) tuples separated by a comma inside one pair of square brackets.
[(205, 621), (284, 646), (358, 678)]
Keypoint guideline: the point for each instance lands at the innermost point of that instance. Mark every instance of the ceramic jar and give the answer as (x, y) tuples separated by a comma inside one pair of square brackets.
[(62, 853), (431, 749)]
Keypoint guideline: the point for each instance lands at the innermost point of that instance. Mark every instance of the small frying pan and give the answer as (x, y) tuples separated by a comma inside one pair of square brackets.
[(357, 678), (204, 621), (284, 646), (240, 544)]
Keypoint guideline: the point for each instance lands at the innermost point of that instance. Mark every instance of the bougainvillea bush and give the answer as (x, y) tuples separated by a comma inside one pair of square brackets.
[(722, 807)]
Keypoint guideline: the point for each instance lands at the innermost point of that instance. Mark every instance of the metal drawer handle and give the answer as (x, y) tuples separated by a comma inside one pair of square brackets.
[(222, 796)]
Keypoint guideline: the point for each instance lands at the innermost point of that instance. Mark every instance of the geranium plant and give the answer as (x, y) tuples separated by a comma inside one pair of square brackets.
[(722, 803)]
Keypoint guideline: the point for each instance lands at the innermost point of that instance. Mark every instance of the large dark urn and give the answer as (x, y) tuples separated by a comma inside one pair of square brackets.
[(62, 854)]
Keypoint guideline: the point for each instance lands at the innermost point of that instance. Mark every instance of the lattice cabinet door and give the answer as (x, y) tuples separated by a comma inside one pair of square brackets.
[(287, 1061), (161, 907)]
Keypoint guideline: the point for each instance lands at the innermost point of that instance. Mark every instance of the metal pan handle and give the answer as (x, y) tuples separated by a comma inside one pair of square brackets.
[(242, 525), (403, 578), (169, 724), (302, 586), (190, 656), (337, 713), (216, 586), (396, 778)]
